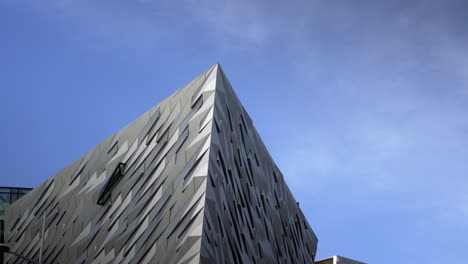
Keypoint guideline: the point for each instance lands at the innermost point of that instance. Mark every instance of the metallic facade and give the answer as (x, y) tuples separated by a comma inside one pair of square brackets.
[(196, 185), (251, 216)]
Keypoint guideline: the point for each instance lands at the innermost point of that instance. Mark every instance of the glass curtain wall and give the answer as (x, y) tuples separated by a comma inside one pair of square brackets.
[(8, 195)]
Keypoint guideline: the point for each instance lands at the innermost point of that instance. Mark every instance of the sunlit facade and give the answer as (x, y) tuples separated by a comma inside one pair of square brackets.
[(190, 181)]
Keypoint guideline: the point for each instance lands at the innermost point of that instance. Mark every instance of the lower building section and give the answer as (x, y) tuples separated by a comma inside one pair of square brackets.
[(338, 260), (8, 195)]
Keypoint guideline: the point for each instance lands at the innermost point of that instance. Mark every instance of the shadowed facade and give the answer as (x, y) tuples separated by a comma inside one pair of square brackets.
[(189, 181)]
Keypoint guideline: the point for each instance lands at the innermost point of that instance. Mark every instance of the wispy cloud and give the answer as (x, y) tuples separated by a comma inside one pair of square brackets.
[(398, 116), (394, 89), (238, 21), (142, 24)]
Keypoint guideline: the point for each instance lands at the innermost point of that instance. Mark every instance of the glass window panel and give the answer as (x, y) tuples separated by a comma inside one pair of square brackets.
[(4, 198), (13, 197), (110, 184), (23, 191)]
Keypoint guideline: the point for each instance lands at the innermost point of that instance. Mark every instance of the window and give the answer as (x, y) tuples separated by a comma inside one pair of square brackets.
[(110, 184)]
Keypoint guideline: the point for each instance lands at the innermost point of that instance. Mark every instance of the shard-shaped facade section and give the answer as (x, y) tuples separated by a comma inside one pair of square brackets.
[(190, 181), (154, 212), (251, 215)]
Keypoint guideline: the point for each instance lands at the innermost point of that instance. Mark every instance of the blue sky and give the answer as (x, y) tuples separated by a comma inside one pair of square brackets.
[(362, 104)]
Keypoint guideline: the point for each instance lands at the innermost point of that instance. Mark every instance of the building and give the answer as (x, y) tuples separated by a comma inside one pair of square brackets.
[(8, 195), (189, 181), (338, 260)]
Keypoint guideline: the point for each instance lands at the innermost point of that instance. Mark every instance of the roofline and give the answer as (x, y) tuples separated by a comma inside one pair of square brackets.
[(11, 187)]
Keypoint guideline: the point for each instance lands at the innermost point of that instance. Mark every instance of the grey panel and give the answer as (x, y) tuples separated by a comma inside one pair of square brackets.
[(192, 191), (343, 260)]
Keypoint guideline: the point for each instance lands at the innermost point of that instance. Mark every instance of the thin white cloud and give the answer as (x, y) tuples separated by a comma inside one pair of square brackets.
[(235, 20), (401, 132), (396, 106)]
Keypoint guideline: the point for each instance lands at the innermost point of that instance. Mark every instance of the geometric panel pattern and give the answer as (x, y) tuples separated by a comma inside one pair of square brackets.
[(197, 186), (251, 215), (155, 212)]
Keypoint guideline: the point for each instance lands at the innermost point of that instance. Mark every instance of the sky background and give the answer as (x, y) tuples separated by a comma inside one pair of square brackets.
[(362, 104)]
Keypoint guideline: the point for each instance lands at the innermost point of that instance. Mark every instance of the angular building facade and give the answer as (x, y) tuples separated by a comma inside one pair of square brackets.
[(189, 181)]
